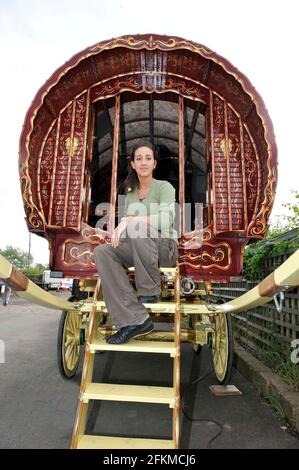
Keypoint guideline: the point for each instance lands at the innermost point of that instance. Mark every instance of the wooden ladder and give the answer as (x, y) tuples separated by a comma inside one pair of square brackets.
[(131, 393)]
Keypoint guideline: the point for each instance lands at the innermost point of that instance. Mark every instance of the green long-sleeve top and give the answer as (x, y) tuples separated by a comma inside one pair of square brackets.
[(159, 203)]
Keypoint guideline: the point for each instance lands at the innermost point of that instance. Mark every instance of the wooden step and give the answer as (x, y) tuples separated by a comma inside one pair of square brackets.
[(159, 307), (135, 346), (107, 442), (162, 270), (134, 393)]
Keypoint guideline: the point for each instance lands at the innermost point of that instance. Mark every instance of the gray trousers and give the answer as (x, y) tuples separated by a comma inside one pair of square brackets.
[(146, 254)]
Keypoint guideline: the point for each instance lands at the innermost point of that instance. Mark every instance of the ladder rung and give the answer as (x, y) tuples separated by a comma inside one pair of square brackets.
[(156, 307), (162, 307), (135, 346), (161, 269), (107, 442), (135, 393)]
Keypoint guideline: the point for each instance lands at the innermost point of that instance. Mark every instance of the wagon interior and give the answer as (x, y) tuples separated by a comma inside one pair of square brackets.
[(150, 118)]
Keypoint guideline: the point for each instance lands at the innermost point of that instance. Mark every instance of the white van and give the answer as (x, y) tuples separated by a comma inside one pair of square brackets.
[(54, 280)]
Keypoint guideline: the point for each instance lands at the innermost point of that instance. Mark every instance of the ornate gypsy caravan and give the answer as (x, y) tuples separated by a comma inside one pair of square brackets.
[(216, 143), (217, 148)]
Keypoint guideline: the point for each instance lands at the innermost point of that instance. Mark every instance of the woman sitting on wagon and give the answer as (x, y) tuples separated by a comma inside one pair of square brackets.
[(145, 239)]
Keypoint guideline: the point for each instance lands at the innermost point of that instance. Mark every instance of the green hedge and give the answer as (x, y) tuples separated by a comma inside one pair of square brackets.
[(256, 254)]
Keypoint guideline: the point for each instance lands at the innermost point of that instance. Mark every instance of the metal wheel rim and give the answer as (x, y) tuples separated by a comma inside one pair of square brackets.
[(70, 344), (220, 346)]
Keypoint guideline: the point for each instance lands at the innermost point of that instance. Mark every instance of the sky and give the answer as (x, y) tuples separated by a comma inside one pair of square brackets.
[(259, 37)]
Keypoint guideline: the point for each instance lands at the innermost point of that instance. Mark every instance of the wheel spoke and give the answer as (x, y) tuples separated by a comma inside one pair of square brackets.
[(72, 355), (68, 342), (71, 322), (222, 358), (69, 331), (68, 352), (221, 346)]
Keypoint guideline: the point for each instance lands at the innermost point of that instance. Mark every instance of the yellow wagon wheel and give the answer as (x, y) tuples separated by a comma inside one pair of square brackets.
[(222, 347), (68, 344)]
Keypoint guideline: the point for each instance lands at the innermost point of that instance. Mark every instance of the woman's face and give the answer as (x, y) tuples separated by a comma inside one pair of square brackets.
[(144, 162)]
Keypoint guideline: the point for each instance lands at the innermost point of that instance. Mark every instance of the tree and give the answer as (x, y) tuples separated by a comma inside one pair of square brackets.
[(35, 273), (293, 218), (19, 258), (256, 254), (284, 223)]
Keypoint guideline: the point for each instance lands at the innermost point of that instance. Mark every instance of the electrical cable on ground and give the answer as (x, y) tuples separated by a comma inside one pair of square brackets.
[(190, 418)]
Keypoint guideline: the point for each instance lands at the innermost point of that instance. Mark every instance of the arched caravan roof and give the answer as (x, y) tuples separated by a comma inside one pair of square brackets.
[(235, 114)]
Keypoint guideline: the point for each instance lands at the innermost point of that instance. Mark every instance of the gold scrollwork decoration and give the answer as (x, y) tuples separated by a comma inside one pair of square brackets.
[(71, 145), (222, 251), (149, 43), (260, 224), (33, 215)]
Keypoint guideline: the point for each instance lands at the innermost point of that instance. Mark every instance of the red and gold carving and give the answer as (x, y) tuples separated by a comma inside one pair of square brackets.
[(251, 174), (149, 82), (69, 165), (259, 226), (230, 207), (216, 255), (78, 253), (236, 172), (46, 170), (34, 217), (220, 183)]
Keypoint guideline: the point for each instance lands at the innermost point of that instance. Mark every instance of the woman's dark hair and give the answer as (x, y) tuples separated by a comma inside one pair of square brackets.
[(131, 182)]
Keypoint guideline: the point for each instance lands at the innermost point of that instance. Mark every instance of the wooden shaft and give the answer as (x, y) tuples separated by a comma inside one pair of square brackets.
[(54, 170), (82, 212), (208, 159), (181, 165), (227, 156), (89, 161), (113, 192), (87, 372), (213, 160), (176, 363), (245, 222), (70, 156)]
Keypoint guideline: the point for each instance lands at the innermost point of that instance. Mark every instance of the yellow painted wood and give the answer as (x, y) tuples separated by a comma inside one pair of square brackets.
[(162, 270), (105, 442), (135, 346), (80, 423), (285, 275), (160, 307), (134, 393), (250, 299), (5, 268), (157, 335), (38, 296), (288, 273)]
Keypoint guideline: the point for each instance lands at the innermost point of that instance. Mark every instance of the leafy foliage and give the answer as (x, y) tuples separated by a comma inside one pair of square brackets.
[(19, 258), (278, 358), (256, 255), (35, 273), (293, 207)]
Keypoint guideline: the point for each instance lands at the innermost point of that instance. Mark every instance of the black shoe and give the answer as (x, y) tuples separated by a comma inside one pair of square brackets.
[(129, 332), (148, 299)]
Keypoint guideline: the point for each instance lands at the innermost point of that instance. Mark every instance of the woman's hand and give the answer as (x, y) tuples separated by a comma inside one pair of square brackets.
[(118, 231)]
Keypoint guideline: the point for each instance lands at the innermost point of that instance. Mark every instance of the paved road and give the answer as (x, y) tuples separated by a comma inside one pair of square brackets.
[(37, 407)]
